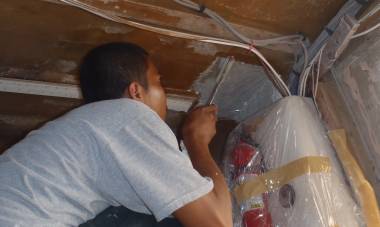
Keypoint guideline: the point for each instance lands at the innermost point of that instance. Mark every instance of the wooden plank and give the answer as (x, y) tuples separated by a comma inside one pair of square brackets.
[(336, 115)]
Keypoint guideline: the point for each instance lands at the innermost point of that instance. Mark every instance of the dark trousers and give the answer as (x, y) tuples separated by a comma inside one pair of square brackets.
[(123, 217)]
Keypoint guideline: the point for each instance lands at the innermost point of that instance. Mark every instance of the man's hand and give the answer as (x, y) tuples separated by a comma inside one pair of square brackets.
[(199, 127), (213, 209)]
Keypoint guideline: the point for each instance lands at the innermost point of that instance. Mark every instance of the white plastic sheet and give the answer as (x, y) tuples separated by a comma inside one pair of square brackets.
[(245, 90), (283, 171)]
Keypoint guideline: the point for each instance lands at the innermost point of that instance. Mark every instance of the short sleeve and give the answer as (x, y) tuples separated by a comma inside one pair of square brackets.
[(163, 177)]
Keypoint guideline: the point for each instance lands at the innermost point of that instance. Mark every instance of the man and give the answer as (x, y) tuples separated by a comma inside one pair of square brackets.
[(116, 150)]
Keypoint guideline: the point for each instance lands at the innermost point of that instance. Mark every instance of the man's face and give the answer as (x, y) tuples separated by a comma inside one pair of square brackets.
[(155, 96)]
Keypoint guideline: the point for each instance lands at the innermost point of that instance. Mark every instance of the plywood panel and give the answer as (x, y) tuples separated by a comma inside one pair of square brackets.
[(280, 16), (47, 37)]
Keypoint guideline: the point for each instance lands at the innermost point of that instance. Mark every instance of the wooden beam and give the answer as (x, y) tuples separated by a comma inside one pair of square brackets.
[(176, 102), (335, 114)]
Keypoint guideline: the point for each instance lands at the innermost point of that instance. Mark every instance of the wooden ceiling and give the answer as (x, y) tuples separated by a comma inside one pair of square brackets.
[(48, 37), (45, 40)]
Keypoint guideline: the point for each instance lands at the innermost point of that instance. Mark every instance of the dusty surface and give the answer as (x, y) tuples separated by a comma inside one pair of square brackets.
[(358, 77)]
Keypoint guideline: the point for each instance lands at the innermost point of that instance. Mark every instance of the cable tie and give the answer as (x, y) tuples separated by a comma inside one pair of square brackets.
[(329, 31), (362, 2), (202, 8)]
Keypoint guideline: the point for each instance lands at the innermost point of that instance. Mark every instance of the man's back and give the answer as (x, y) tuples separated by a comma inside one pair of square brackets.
[(101, 154)]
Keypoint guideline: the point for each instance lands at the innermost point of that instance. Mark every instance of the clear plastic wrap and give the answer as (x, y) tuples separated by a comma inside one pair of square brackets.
[(283, 171), (237, 96)]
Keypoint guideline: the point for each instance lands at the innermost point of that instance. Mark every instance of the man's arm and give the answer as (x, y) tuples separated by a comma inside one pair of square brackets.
[(214, 208)]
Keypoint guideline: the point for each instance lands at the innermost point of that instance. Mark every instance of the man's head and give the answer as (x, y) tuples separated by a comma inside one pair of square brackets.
[(117, 70)]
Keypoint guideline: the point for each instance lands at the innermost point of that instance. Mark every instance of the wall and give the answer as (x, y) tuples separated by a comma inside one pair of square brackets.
[(357, 74)]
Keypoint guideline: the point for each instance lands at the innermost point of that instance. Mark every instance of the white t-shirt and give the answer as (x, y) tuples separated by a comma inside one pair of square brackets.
[(115, 152)]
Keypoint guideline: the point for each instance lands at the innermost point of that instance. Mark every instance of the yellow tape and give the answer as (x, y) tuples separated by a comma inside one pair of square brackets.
[(363, 189), (276, 178)]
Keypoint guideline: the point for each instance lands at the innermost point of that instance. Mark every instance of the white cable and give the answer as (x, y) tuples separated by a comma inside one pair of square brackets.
[(366, 31), (365, 17), (313, 79), (220, 20), (317, 81), (264, 60), (318, 72), (290, 39), (306, 72), (370, 14), (306, 60), (170, 32), (304, 78)]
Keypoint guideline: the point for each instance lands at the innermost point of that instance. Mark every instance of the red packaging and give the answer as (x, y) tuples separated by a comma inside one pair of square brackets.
[(248, 164)]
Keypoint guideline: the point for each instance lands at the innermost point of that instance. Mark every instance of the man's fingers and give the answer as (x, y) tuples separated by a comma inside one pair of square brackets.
[(211, 108), (209, 111), (214, 111)]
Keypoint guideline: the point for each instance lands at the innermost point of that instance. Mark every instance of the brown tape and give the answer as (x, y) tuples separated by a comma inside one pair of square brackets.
[(363, 190), (276, 178)]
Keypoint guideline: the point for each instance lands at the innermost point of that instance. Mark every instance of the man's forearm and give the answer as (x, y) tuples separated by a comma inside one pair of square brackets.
[(206, 166)]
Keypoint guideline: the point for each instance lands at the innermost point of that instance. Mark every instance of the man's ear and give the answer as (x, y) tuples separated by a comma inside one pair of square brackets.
[(135, 91)]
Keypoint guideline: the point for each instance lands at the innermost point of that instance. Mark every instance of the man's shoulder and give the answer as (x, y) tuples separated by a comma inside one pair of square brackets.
[(123, 107), (113, 113)]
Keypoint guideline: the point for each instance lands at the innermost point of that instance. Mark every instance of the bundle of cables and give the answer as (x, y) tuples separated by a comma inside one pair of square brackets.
[(313, 67), (310, 67), (245, 42)]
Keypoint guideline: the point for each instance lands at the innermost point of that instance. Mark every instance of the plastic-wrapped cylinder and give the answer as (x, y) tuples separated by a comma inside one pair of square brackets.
[(291, 131)]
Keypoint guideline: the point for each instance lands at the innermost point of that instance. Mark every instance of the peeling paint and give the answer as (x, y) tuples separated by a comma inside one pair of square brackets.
[(117, 29), (165, 40), (109, 1), (66, 66), (203, 48)]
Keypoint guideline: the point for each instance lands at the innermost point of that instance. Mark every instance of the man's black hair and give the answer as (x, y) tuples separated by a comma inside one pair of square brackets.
[(109, 69)]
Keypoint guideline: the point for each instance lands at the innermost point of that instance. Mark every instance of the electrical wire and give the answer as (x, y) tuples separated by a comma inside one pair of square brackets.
[(370, 13), (306, 58), (315, 88), (304, 78), (366, 31), (364, 18), (221, 21), (290, 39), (318, 72), (313, 79), (180, 34)]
